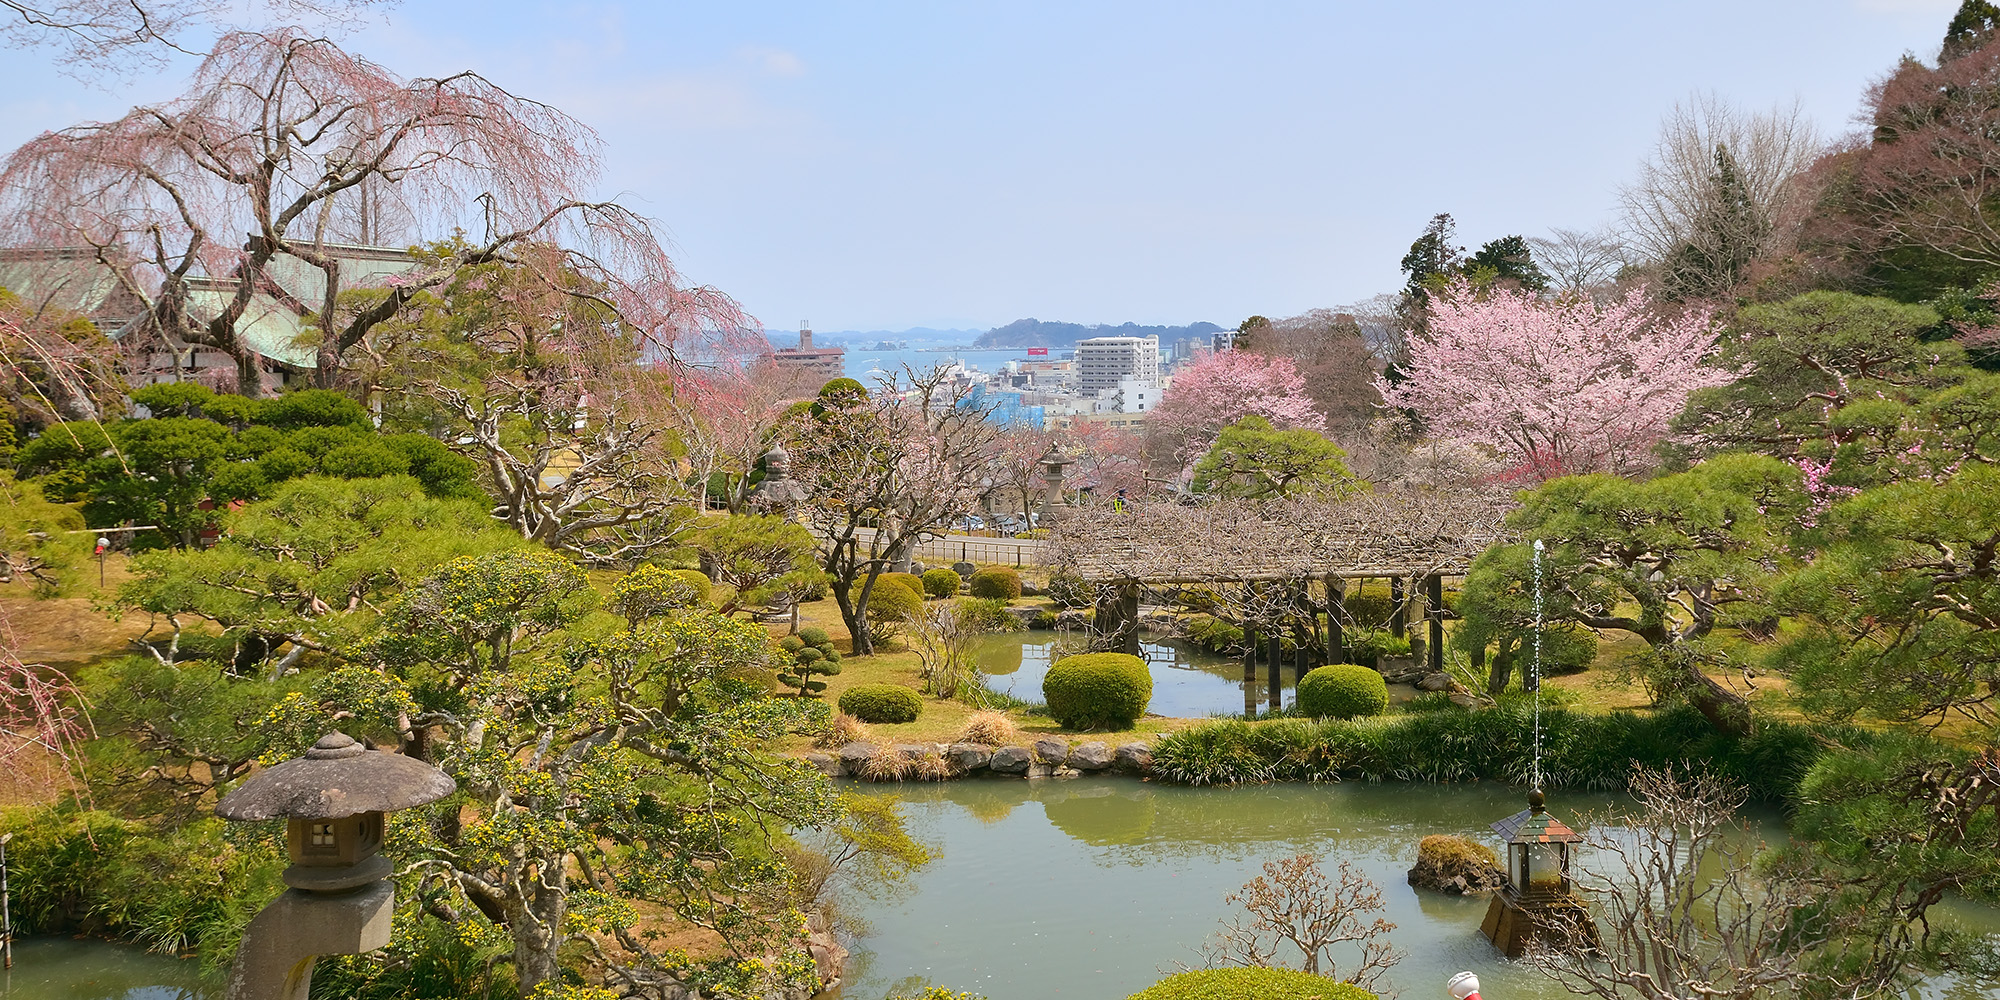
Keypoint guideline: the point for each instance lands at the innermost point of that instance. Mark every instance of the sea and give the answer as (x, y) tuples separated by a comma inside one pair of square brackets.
[(864, 364)]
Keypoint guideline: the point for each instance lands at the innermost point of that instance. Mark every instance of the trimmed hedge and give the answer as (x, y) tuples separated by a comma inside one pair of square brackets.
[(999, 583), (1098, 690), (941, 583), (1579, 750), (909, 581), (1250, 984), (1342, 691), (880, 703)]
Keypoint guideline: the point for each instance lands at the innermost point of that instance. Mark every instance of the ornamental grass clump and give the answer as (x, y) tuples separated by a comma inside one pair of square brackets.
[(1342, 691), (886, 763), (882, 703), (1097, 690), (841, 730), (894, 763), (990, 728)]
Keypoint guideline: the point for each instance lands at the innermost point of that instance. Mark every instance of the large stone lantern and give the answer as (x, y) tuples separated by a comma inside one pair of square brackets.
[(1539, 900), (1053, 463), (777, 491), (333, 801)]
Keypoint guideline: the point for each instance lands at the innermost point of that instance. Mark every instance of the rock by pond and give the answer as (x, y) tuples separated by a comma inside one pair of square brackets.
[(1456, 865)]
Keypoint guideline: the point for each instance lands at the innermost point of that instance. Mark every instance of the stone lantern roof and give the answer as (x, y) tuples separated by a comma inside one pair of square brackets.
[(338, 777), (1534, 825)]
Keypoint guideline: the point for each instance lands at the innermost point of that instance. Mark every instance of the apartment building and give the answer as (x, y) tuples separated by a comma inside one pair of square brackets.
[(1103, 362)]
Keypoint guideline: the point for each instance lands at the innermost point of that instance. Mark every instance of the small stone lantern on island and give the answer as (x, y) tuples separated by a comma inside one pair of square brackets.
[(333, 801), (1539, 901)]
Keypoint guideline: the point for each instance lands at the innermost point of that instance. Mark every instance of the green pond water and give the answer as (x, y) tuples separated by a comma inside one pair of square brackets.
[(1187, 681), (66, 969), (1093, 888), (1088, 888)]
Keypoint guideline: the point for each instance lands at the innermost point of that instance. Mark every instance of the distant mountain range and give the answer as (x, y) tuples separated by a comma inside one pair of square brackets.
[(1037, 333)]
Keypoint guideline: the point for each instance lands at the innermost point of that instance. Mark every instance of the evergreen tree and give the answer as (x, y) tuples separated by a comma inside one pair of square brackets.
[(1507, 259), (1433, 258), (1971, 28), (1729, 234)]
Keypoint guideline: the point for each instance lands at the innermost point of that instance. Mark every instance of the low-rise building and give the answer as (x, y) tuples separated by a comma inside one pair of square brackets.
[(809, 362)]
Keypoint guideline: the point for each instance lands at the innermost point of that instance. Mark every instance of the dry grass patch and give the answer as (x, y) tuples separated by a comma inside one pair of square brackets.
[(844, 729), (990, 728)]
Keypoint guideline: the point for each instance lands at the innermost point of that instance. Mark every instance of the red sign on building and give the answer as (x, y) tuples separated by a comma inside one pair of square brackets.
[(1038, 352)]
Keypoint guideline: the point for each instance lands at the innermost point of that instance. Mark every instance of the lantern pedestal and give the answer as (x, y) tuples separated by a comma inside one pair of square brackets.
[(285, 938), (1514, 921)]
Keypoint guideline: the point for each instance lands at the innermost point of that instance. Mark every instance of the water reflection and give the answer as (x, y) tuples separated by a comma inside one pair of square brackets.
[(70, 969), (1187, 681), (1095, 887)]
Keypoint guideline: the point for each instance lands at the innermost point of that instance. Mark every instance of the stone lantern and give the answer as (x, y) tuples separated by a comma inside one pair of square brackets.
[(333, 801), (777, 491), (1053, 462), (1539, 900)]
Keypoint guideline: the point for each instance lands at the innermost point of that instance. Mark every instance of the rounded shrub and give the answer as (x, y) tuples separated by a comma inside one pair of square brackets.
[(791, 644), (998, 583), (880, 703), (697, 580), (813, 635), (1566, 650), (1342, 691), (894, 604), (941, 583), (1250, 984), (1098, 690), (908, 581)]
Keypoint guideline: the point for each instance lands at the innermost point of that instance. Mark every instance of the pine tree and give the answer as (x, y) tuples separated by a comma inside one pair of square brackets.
[(1970, 29)]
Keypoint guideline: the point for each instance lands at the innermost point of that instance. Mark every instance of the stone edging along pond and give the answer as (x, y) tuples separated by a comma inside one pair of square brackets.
[(1048, 757)]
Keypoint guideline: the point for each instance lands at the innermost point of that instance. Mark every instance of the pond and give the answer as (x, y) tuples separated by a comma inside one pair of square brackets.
[(84, 969), (1188, 682), (1093, 888)]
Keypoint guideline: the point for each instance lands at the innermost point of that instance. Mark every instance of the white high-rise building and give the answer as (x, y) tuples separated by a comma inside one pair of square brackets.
[(1102, 362)]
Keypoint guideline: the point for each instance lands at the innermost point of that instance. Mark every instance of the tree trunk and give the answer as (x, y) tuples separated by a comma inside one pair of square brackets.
[(1502, 672), (855, 618), (1724, 709), (249, 374), (536, 916)]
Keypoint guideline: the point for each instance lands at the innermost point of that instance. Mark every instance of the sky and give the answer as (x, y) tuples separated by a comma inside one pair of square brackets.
[(882, 165)]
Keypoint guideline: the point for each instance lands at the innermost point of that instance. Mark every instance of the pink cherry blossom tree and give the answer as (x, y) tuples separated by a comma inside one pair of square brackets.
[(303, 146), (1558, 387), (1221, 388)]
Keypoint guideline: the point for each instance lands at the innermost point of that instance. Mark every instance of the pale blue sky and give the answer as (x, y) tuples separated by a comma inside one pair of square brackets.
[(886, 165)]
